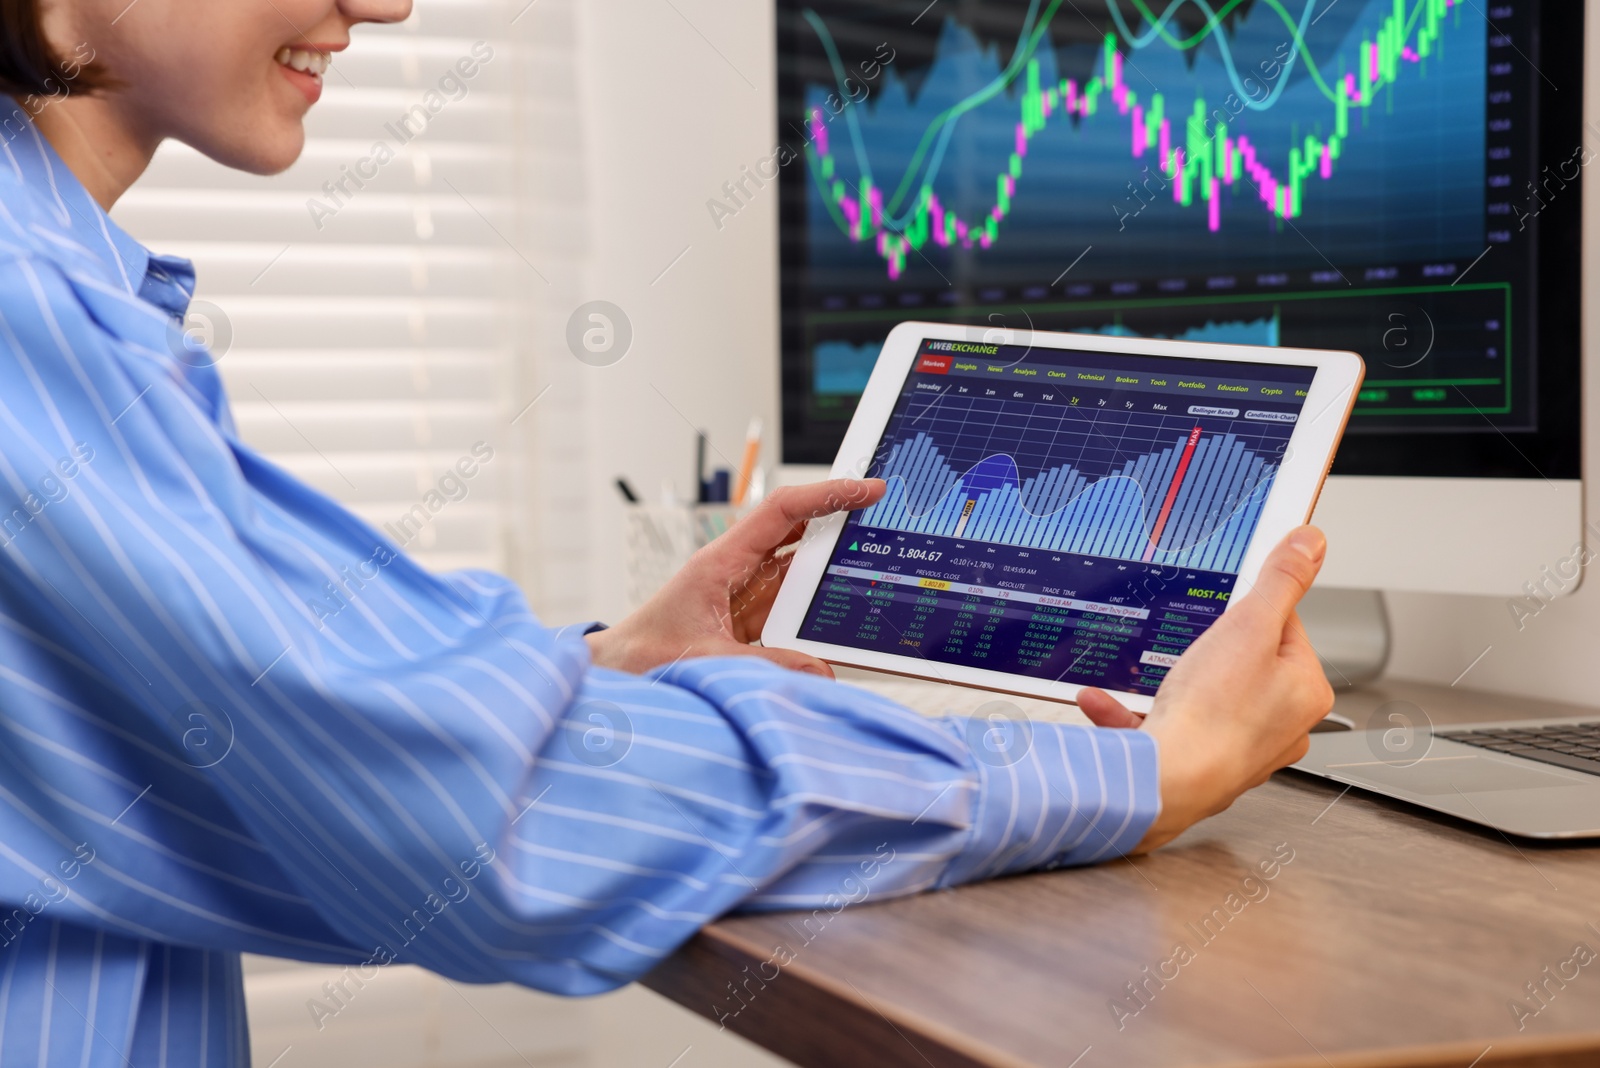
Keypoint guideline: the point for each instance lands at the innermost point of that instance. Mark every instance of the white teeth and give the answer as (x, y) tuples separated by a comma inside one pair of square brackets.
[(304, 60)]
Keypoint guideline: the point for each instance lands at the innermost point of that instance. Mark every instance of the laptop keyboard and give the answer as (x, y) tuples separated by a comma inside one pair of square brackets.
[(1566, 745)]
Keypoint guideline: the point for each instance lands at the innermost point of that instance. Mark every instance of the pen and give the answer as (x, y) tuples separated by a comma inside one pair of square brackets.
[(747, 469)]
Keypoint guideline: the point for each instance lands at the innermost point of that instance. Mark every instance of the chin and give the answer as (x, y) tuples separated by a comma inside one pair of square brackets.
[(266, 153)]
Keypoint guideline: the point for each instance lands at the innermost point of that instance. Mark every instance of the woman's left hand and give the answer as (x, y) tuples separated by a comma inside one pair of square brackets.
[(718, 603)]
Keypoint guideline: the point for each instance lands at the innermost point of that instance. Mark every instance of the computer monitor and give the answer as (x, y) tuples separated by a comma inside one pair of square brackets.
[(1397, 177)]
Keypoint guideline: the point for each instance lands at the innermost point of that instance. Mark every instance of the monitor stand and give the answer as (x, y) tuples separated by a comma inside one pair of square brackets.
[(1350, 631)]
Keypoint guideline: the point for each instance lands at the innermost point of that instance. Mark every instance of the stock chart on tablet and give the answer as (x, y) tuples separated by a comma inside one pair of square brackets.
[(1356, 175), (1069, 515)]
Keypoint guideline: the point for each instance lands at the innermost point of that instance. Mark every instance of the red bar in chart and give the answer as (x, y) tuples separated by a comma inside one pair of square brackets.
[(1172, 494)]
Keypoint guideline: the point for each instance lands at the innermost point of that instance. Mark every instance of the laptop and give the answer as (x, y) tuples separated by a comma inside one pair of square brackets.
[(1531, 778)]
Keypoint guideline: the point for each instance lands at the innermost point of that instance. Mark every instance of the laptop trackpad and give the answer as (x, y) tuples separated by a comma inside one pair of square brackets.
[(1446, 775)]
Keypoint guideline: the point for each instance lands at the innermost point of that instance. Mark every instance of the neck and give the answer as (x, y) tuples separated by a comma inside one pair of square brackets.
[(104, 149)]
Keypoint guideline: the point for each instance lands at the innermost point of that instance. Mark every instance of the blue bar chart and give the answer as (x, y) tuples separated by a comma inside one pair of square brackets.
[(1191, 500)]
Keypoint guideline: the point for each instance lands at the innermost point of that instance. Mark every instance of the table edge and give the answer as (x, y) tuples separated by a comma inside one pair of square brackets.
[(804, 1024)]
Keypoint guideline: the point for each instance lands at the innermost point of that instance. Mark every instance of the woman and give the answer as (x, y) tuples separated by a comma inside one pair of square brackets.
[(196, 763)]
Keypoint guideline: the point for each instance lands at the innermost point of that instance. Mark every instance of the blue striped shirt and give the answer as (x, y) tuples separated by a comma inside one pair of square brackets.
[(198, 757)]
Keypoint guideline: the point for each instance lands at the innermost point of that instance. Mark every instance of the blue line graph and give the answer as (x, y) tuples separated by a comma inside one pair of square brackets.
[(1194, 503)]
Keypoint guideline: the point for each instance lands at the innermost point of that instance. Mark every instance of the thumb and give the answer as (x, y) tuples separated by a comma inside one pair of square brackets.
[(796, 661), (1285, 577), (792, 659), (1104, 710), (775, 521)]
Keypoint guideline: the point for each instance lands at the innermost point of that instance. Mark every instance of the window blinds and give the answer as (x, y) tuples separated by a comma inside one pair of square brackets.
[(366, 305)]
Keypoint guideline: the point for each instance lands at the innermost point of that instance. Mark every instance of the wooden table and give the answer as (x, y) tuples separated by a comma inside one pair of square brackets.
[(1390, 937)]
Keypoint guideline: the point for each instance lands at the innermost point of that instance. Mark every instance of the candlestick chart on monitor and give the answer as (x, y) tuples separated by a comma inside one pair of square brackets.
[(1255, 171)]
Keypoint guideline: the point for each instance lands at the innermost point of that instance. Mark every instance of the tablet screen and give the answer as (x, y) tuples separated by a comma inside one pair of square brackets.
[(1066, 515)]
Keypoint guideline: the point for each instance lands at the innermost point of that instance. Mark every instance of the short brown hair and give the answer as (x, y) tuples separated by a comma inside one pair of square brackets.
[(28, 65)]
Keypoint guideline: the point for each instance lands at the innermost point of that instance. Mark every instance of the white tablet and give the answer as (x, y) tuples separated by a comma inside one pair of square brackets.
[(1063, 510)]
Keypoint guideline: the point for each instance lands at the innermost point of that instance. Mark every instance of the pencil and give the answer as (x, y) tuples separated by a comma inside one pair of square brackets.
[(747, 468)]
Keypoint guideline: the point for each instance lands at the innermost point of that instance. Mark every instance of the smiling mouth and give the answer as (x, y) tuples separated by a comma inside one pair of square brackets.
[(306, 61)]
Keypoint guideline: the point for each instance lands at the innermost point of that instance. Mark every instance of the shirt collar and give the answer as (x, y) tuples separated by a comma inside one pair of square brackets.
[(167, 282)]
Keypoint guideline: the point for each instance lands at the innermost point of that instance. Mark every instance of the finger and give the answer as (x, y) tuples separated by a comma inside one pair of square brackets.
[(753, 604), (1296, 752), (793, 537), (1295, 646), (1285, 577), (760, 585), (775, 521), (793, 660), (785, 658), (1292, 755), (1296, 642), (1104, 710), (1301, 659)]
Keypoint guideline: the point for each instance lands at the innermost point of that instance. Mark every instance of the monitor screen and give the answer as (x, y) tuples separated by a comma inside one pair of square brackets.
[(1075, 516), (1395, 177)]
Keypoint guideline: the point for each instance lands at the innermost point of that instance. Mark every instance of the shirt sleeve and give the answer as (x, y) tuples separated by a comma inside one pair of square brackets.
[(257, 725)]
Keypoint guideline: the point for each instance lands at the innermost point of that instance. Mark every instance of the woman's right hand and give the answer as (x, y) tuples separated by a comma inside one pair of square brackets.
[(1240, 703)]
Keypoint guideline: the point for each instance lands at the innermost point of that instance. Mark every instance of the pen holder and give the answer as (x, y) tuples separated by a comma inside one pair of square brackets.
[(661, 538)]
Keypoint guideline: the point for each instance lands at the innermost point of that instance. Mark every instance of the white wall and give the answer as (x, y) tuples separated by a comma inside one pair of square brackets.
[(679, 95)]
